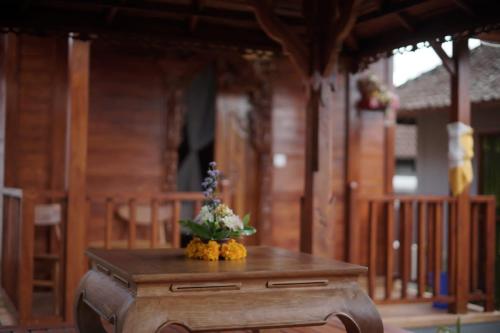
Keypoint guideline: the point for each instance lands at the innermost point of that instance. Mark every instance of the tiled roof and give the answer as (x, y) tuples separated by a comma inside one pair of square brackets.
[(406, 141), (431, 90)]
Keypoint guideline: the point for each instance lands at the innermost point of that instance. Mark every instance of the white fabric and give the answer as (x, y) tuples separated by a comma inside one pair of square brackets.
[(456, 152)]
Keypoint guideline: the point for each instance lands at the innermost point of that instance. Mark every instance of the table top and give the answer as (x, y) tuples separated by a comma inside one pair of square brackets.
[(160, 265)]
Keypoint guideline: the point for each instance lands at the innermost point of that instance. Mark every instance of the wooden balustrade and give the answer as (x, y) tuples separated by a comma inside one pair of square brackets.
[(152, 204), (18, 249), (411, 242)]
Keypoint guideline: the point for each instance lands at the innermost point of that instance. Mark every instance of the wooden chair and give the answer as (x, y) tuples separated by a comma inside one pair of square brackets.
[(50, 216)]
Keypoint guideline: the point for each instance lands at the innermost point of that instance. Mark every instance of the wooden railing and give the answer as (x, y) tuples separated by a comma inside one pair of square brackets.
[(18, 250), (409, 245), (19, 238), (104, 209)]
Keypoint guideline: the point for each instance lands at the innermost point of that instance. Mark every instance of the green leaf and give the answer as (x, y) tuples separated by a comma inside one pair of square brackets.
[(248, 230), (199, 230), (246, 219), (221, 234)]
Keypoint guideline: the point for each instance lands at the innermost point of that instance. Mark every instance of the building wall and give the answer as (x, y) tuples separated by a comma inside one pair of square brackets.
[(127, 123), (432, 147)]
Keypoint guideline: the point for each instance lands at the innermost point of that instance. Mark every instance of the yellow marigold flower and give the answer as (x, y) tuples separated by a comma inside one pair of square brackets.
[(195, 249), (211, 251), (232, 250)]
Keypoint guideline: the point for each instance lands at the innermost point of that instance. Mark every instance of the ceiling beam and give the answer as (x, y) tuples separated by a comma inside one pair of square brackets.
[(447, 61), (144, 30), (388, 9), (450, 23), (156, 8)]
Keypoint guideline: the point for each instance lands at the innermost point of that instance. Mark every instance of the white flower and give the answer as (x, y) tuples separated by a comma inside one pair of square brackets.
[(232, 222), (204, 215)]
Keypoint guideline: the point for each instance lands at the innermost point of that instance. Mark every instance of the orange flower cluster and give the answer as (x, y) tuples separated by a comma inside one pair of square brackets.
[(211, 251)]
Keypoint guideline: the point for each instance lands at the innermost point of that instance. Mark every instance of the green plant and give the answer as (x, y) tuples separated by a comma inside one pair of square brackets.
[(444, 329)]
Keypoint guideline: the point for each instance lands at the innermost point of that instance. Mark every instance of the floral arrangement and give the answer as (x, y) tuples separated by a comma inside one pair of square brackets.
[(216, 227), (375, 96)]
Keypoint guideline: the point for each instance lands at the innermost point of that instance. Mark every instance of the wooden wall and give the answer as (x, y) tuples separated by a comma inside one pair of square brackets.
[(127, 123), (36, 121), (288, 118)]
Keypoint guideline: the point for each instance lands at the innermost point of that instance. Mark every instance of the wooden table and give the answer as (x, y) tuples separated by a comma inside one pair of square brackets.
[(147, 290)]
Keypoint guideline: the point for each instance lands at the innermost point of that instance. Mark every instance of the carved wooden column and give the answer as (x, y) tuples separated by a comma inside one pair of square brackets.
[(175, 115), (329, 23), (262, 135)]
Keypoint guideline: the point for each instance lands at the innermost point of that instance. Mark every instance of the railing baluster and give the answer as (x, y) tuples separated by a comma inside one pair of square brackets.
[(407, 227), (176, 242), (437, 246), (389, 249), (474, 267), (154, 223), (489, 232), (109, 223), (421, 248), (431, 233), (372, 254), (132, 224)]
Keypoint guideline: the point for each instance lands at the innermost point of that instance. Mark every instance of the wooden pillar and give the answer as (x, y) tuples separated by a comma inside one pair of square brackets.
[(352, 170), (389, 150), (262, 133), (9, 106), (460, 112), (175, 118), (78, 110), (329, 23)]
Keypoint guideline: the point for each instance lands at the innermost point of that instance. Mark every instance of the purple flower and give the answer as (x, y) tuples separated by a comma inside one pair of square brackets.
[(209, 185)]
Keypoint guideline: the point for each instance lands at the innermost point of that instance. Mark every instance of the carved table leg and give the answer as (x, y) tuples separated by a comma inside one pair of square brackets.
[(87, 320), (359, 314)]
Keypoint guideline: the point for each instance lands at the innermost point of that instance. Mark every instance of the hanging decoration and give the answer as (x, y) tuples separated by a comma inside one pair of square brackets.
[(375, 96), (460, 153)]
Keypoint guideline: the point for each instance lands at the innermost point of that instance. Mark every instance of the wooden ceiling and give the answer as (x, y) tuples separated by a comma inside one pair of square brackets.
[(381, 26)]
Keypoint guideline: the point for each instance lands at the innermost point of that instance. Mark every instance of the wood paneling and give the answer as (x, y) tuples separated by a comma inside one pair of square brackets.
[(38, 102), (289, 105), (127, 122)]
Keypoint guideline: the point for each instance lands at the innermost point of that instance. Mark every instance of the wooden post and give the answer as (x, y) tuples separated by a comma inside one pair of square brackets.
[(26, 263), (78, 109), (353, 137), (9, 106), (329, 23), (460, 111)]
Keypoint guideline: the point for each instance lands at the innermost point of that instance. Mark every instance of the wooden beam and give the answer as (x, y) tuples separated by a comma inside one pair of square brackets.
[(389, 8), (9, 106), (344, 19), (405, 22), (78, 91), (447, 61), (466, 7), (460, 112), (280, 33), (141, 30)]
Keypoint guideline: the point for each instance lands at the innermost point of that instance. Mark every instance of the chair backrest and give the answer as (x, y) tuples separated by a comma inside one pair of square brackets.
[(48, 214)]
